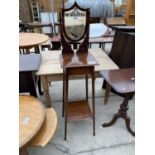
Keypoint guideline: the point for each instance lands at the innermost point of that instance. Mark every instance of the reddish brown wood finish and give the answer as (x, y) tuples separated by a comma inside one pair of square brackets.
[(83, 47), (77, 60), (122, 81), (75, 65), (78, 110)]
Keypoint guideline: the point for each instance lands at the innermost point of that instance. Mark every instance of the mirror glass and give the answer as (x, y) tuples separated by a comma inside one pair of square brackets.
[(75, 23)]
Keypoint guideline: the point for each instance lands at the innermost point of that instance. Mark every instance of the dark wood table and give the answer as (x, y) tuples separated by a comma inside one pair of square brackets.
[(124, 28), (122, 81), (28, 65)]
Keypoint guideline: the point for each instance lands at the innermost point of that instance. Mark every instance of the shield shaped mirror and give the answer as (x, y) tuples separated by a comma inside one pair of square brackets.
[(75, 24)]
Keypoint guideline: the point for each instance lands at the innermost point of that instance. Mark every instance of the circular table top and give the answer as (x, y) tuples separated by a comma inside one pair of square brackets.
[(31, 39), (31, 118)]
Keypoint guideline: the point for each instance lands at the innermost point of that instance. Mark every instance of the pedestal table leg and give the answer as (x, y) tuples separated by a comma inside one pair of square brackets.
[(122, 113)]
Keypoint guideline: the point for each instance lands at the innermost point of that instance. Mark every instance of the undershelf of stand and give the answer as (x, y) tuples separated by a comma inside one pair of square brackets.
[(78, 110)]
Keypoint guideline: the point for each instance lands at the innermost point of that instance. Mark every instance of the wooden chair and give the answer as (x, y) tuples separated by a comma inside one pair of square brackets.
[(45, 134), (122, 53), (128, 19)]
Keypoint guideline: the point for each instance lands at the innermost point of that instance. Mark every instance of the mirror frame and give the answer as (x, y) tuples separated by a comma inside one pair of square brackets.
[(86, 11), (65, 40)]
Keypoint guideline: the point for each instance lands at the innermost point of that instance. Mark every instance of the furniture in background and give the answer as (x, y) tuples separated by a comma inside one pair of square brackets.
[(28, 65), (30, 40), (119, 7), (35, 11), (122, 81), (98, 8), (122, 53), (94, 20), (127, 19), (23, 27), (49, 17), (38, 27), (102, 36), (37, 124), (129, 29)]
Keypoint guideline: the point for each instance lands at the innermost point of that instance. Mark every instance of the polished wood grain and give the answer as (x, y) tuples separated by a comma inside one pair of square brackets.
[(122, 80), (78, 110), (77, 60), (31, 118), (47, 130), (78, 64), (28, 40)]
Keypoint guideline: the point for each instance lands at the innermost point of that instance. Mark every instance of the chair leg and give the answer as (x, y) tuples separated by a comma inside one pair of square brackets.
[(107, 92)]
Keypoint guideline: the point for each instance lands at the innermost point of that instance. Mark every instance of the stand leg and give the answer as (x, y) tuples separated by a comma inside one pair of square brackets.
[(122, 113), (66, 104), (87, 87), (93, 99), (63, 95)]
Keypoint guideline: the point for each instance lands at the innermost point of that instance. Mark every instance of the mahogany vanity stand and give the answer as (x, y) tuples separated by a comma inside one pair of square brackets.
[(79, 63), (122, 81), (82, 66)]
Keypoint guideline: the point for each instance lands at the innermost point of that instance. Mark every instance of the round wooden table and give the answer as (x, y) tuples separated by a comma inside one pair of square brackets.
[(31, 118), (29, 40)]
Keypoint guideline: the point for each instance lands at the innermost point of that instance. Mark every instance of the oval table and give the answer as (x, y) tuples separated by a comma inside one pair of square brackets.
[(31, 118), (29, 40)]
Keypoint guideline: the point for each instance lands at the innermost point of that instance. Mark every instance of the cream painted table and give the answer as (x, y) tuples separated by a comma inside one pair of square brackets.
[(50, 69)]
